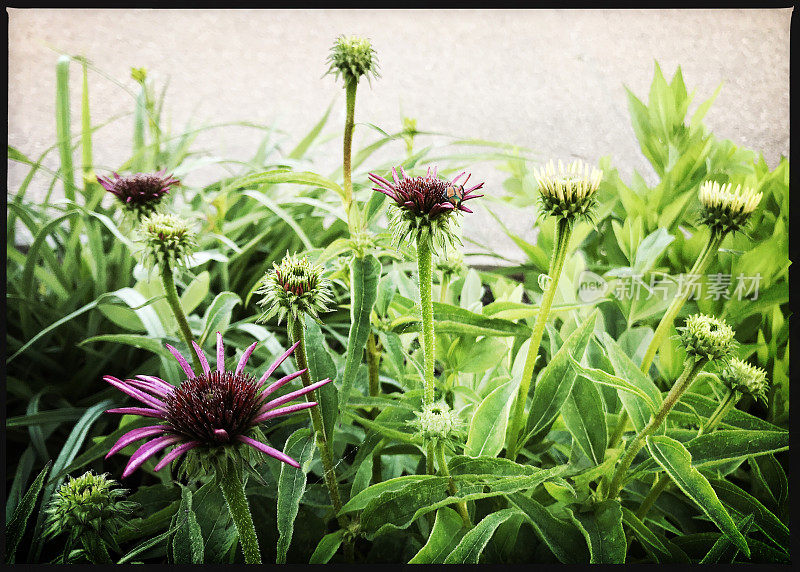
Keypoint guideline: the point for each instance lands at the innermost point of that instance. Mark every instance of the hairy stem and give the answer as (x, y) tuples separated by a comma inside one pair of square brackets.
[(424, 263), (175, 304), (700, 265), (374, 362), (230, 482), (461, 506), (443, 288), (563, 232), (690, 371), (349, 123)]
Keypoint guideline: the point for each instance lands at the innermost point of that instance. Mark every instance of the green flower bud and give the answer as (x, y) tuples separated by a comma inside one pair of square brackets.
[(568, 192), (705, 337), (438, 423), (353, 57), (724, 210), (89, 503), (293, 288), (452, 264), (740, 376), (167, 239)]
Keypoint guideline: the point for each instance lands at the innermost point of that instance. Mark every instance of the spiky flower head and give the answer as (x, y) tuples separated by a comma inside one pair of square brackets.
[(740, 376), (167, 239), (437, 422), (139, 193), (725, 210), (568, 192), (352, 57), (451, 264), (293, 288), (424, 206), (211, 416), (706, 337), (89, 504)]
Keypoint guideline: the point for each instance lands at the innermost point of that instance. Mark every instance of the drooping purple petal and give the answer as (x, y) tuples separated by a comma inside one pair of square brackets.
[(277, 363), (144, 412), (176, 452), (182, 361), (245, 357), (268, 450), (282, 381), (202, 357), (220, 353), (148, 450), (465, 209), (135, 393), (283, 411), (135, 435), (148, 386), (294, 394), (158, 381)]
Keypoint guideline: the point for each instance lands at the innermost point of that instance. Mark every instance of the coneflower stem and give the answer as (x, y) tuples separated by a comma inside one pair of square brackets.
[(560, 247), (451, 485), (690, 371), (443, 288), (230, 482), (297, 334), (700, 265), (349, 124), (373, 363), (425, 271), (175, 304)]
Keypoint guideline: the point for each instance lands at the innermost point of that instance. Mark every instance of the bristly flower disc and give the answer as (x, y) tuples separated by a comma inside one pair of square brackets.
[(706, 337), (139, 193), (353, 57), (425, 205), (725, 210), (211, 414), (167, 239), (293, 288), (568, 192), (738, 375)]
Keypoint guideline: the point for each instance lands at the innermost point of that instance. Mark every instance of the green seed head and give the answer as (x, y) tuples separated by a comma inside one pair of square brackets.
[(705, 337), (568, 192), (167, 238), (438, 423), (293, 288), (740, 376), (725, 210), (89, 503), (352, 57)]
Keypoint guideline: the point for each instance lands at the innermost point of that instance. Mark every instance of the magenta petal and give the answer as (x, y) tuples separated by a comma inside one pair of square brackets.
[(220, 354), (135, 393), (148, 386), (277, 363), (135, 435), (245, 357), (144, 412), (202, 357), (465, 209), (289, 396), (394, 176), (176, 452), (282, 381), (148, 450), (157, 381), (182, 361), (283, 411), (269, 450)]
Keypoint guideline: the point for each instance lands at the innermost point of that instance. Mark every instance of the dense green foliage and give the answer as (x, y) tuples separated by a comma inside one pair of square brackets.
[(81, 306)]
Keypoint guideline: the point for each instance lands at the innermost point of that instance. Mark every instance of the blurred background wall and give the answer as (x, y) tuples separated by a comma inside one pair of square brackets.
[(550, 80)]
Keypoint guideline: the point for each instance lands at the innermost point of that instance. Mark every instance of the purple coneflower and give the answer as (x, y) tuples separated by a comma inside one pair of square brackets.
[(139, 193), (424, 204), (216, 409)]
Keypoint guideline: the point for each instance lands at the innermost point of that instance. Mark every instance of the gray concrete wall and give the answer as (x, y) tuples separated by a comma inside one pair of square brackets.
[(551, 80)]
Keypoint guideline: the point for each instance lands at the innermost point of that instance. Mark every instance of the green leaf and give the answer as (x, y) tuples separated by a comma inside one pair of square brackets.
[(447, 532), (604, 378), (362, 499), (651, 249), (64, 126), (16, 526), (625, 369), (564, 539), (705, 407), (327, 547), (471, 546), (299, 151), (453, 320), (556, 381), (218, 315), (723, 550), (651, 543), (734, 445), (321, 366), (603, 531), (195, 292), (291, 486), (488, 426), (461, 465), (364, 276), (216, 524), (585, 418), (135, 340), (46, 417), (282, 176), (283, 215), (677, 462), (187, 544)]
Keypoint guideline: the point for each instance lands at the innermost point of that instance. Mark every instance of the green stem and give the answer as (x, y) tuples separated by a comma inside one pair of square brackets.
[(297, 333), (230, 482), (562, 236), (373, 363), (660, 484), (175, 304), (663, 328), (443, 288), (690, 371), (349, 124), (425, 268), (451, 485)]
